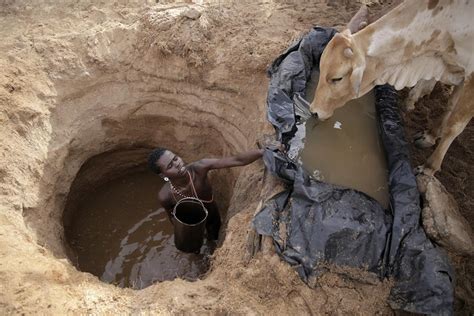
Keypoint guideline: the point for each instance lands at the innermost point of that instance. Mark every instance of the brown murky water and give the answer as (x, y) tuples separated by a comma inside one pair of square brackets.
[(346, 149), (123, 236)]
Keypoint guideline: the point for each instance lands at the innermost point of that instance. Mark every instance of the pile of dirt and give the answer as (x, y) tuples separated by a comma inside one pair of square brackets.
[(83, 78)]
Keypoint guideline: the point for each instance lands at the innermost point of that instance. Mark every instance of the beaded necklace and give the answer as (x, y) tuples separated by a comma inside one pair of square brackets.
[(180, 193)]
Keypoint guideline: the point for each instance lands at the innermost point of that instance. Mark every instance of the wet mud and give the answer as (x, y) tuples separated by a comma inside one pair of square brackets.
[(122, 235)]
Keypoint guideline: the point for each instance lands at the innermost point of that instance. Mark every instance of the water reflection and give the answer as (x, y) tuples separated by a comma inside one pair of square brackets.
[(345, 149), (123, 236)]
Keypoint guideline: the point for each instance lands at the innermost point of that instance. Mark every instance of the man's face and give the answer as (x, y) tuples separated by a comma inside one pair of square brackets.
[(171, 165)]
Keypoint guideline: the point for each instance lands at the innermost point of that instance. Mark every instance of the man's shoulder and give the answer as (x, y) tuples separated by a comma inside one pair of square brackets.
[(164, 195), (198, 168)]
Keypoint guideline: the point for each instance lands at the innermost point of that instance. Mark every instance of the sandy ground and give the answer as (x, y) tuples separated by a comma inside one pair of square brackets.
[(80, 79), (457, 167)]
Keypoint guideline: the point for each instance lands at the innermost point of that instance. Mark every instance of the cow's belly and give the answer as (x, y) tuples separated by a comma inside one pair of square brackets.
[(461, 30), (464, 54)]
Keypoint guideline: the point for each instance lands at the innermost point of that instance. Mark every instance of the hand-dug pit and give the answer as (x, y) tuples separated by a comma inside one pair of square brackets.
[(116, 229), (102, 136)]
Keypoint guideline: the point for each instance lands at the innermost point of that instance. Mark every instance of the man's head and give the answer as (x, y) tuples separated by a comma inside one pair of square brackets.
[(342, 67), (166, 163)]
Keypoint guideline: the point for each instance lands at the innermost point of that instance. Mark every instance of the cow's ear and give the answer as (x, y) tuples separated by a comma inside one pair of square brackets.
[(356, 78)]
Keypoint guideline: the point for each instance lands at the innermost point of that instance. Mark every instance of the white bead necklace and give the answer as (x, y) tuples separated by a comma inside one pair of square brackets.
[(177, 191)]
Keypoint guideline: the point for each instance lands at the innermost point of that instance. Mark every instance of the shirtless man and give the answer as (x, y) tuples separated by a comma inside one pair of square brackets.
[(191, 180)]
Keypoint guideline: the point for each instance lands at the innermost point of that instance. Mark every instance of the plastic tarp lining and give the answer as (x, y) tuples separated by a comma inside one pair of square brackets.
[(315, 223)]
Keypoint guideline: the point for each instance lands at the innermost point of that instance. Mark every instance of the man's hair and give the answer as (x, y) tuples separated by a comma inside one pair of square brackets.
[(153, 158)]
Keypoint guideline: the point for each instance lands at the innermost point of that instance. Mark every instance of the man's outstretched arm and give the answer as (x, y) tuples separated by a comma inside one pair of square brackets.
[(241, 159)]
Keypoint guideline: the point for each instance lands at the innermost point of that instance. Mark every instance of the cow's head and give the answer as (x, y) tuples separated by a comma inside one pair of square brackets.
[(342, 67)]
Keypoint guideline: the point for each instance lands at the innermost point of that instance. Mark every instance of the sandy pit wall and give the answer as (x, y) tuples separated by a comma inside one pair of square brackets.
[(79, 80)]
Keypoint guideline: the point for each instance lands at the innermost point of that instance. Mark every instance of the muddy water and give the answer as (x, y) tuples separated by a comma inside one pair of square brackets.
[(346, 149), (123, 236)]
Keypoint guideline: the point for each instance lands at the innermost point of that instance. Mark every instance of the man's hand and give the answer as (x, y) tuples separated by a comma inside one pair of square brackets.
[(268, 142), (277, 146)]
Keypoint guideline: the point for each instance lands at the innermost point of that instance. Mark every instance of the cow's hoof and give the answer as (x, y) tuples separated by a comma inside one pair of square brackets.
[(424, 170), (418, 170), (423, 140)]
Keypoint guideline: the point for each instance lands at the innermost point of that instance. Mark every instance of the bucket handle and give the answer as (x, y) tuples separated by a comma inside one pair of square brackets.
[(188, 199)]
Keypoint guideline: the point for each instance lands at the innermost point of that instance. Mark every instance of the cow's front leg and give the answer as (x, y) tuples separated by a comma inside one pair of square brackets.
[(453, 125), (427, 139)]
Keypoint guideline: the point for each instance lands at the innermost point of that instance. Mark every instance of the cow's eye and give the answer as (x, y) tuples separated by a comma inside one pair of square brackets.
[(335, 80)]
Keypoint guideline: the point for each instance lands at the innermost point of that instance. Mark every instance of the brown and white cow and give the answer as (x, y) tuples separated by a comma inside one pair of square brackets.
[(417, 43)]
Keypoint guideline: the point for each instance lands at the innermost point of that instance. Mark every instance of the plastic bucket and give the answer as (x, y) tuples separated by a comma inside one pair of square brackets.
[(189, 216)]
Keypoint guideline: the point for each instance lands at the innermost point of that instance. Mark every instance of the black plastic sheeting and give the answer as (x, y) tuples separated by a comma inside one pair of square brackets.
[(314, 223)]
